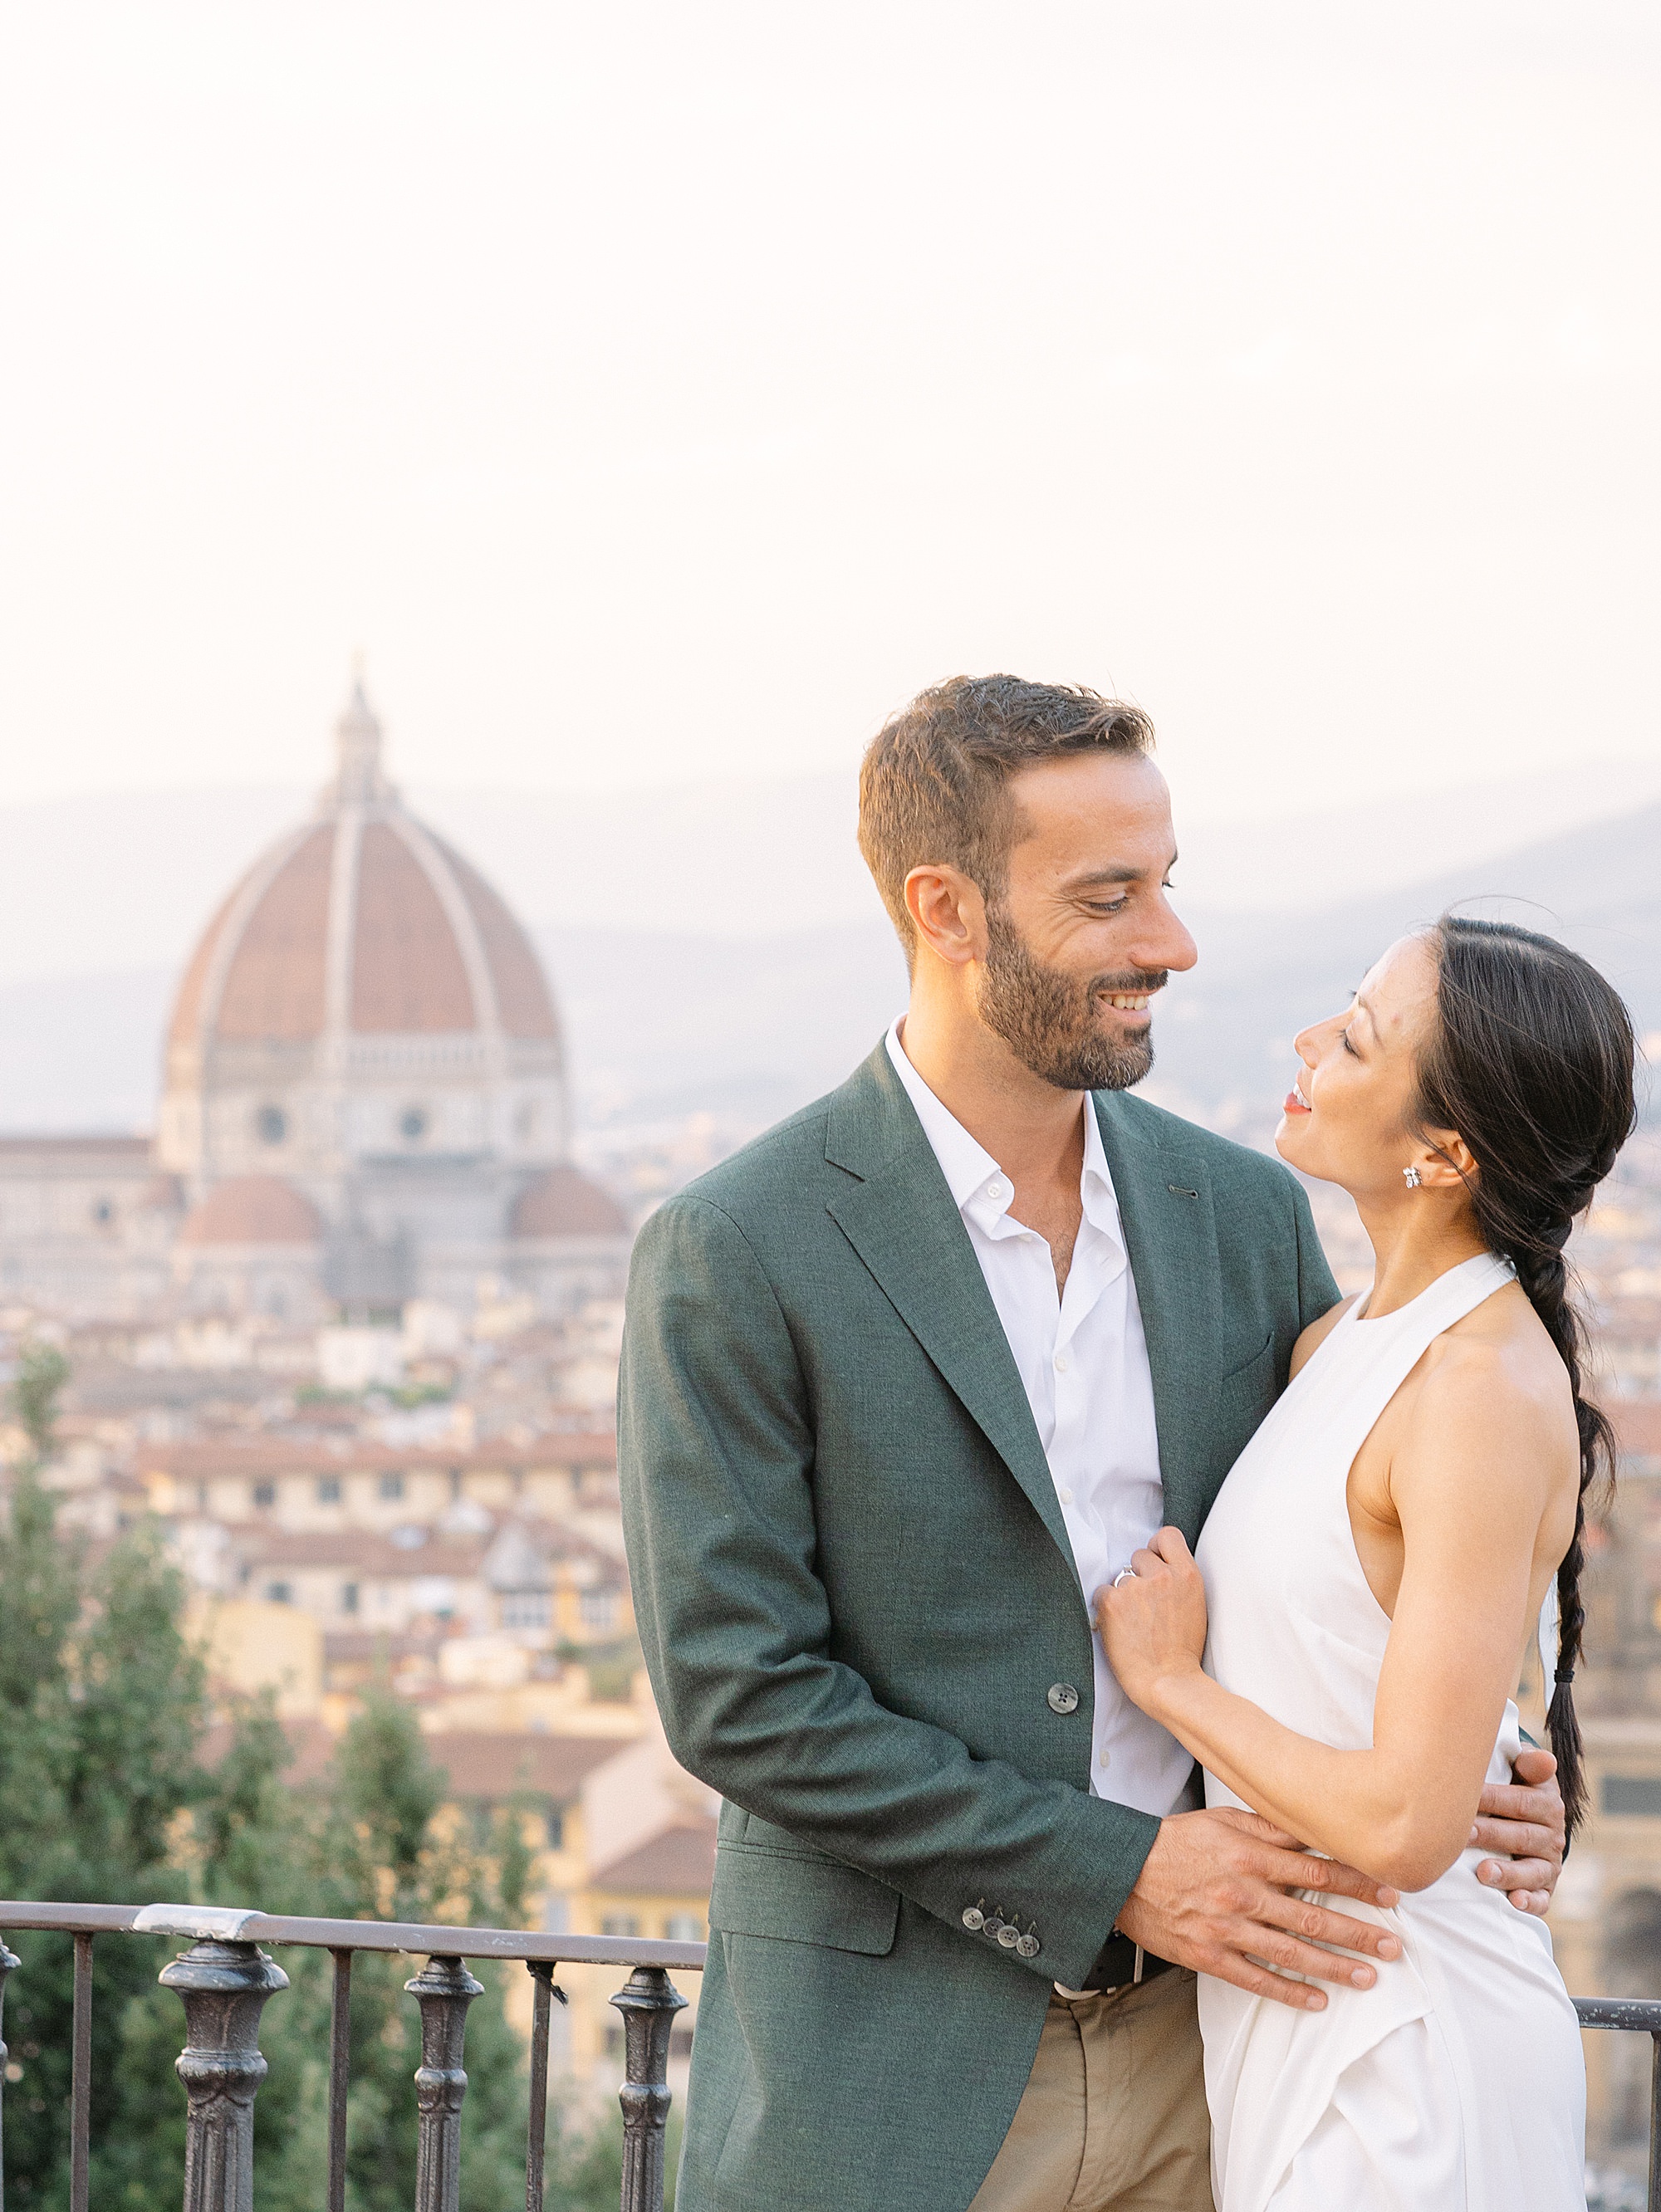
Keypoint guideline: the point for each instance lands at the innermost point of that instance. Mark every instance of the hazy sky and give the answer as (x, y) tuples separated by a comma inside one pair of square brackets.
[(667, 389)]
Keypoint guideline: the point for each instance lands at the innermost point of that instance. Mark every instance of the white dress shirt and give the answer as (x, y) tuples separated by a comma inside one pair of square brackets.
[(1083, 1363)]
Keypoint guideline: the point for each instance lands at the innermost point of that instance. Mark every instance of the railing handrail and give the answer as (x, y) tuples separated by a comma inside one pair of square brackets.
[(235, 1924), (224, 1978)]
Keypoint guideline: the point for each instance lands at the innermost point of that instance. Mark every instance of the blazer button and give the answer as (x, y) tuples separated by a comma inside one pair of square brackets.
[(1063, 1697), (992, 1928), (973, 1919), (1028, 1947), (1009, 1938)]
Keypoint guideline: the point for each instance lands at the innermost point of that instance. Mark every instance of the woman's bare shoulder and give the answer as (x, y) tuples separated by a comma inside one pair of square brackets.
[(1318, 1331), (1492, 1394)]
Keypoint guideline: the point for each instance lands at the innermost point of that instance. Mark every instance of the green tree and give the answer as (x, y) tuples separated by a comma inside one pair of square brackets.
[(102, 1704), (104, 1798), (42, 1372)]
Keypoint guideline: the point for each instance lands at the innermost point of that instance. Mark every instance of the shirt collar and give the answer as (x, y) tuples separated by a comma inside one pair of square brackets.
[(968, 1166), (966, 1162)]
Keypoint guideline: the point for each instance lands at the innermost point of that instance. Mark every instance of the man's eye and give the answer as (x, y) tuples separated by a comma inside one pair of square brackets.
[(1108, 906), (1349, 1047)]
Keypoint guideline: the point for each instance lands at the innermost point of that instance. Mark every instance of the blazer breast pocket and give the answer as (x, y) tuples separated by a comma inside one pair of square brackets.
[(1255, 1373), (797, 1899)]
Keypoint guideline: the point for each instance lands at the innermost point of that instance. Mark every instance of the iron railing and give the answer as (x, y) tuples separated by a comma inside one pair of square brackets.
[(224, 1979), (1638, 2016)]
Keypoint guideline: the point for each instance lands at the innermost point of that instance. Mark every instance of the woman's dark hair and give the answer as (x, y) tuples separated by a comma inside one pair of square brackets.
[(1531, 1061)]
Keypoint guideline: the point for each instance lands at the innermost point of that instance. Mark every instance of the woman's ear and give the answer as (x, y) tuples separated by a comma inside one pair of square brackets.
[(1446, 1161)]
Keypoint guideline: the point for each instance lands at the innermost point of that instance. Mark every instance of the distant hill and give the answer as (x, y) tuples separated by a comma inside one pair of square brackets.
[(682, 1018), (127, 879), (1225, 1043)]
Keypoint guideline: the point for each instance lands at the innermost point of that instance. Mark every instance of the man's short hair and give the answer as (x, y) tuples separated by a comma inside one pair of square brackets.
[(933, 786)]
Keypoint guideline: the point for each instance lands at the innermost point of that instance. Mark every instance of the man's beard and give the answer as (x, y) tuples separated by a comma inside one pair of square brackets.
[(1047, 1017)]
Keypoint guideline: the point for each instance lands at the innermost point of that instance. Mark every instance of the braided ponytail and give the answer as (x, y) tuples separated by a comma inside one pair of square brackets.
[(1531, 1061)]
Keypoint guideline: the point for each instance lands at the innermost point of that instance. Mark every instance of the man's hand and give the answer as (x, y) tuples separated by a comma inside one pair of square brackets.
[(1213, 1895), (1525, 1820)]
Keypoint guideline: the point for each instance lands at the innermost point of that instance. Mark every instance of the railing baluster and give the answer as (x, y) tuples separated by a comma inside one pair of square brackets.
[(81, 2075), (648, 2003), (444, 1989), (224, 1987), (340, 2068), (9, 1962), (536, 2143)]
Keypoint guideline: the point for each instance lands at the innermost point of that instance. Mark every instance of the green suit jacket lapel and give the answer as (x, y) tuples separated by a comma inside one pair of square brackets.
[(898, 1215), (1171, 1234)]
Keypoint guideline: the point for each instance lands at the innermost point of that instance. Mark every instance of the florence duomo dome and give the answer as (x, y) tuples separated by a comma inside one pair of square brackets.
[(364, 1094)]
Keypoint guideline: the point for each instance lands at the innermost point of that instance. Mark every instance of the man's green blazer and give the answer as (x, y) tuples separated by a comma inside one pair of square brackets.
[(856, 1598)]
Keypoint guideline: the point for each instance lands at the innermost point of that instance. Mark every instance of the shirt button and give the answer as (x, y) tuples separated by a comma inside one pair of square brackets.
[(1103, 1759), (1066, 1496), (1062, 1363), (1062, 1698), (997, 1191)]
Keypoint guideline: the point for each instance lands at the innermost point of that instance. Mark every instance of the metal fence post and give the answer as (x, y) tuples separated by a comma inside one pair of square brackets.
[(8, 1962), (223, 1987), (443, 1989), (648, 2003)]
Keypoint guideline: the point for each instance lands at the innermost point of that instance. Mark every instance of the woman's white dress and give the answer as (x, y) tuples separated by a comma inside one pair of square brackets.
[(1456, 2083)]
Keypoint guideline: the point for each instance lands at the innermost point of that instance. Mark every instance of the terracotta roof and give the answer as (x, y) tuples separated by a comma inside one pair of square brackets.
[(311, 1746), (197, 1458), (359, 1551), (423, 943), (252, 1210), (680, 1862), (407, 970), (483, 1763), (345, 1647), (522, 999), (94, 1152), (274, 987), (563, 1202)]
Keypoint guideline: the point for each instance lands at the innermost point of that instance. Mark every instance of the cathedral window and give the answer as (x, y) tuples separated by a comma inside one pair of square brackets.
[(412, 1123), (273, 1124)]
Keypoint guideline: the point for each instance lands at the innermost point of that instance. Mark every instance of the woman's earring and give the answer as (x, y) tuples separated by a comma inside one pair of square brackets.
[(1412, 1178)]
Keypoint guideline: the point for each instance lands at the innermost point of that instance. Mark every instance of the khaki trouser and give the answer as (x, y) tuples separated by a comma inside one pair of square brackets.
[(1113, 2118)]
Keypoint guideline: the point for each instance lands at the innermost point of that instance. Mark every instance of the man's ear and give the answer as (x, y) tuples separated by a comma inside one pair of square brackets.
[(948, 914)]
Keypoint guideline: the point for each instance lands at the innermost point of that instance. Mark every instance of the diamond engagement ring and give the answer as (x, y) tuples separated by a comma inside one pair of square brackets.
[(1125, 1574)]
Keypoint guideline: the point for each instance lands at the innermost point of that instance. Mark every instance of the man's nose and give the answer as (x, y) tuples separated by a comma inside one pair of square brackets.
[(1168, 944)]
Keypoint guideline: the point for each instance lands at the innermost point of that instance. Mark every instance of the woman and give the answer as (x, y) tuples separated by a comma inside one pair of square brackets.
[(1370, 1572)]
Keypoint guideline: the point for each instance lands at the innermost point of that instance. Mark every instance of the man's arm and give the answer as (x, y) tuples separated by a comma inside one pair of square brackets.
[(715, 1450)]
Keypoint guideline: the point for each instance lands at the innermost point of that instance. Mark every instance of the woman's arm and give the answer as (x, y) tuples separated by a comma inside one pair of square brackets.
[(1471, 1479)]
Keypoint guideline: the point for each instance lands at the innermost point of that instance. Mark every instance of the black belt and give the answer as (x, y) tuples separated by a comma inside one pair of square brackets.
[(1119, 1963)]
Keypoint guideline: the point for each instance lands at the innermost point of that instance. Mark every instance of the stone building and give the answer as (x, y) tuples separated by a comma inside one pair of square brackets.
[(363, 1101)]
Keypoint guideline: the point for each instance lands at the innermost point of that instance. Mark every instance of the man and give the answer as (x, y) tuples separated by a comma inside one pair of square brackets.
[(905, 1382)]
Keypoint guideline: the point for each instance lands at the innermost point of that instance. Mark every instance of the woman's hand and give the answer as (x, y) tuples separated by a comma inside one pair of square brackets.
[(1153, 1623)]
